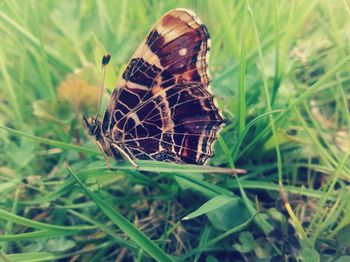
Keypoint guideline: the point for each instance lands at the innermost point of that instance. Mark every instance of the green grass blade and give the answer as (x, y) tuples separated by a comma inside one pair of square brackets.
[(238, 144), (241, 79), (36, 234), (32, 39), (50, 142), (208, 206), (302, 98), (10, 88), (35, 224), (276, 80), (32, 257), (135, 234), (220, 237)]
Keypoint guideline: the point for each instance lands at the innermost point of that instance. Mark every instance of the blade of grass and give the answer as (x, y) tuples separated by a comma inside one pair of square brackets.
[(105, 228), (50, 142), (4, 257), (203, 240), (328, 150), (207, 189), (33, 40), (265, 91), (133, 232), (238, 144), (274, 187), (325, 156), (12, 95), (39, 225), (164, 167), (320, 207), (209, 206), (276, 80), (36, 234), (213, 241), (241, 79), (9, 224), (226, 151), (345, 104), (226, 23), (261, 221), (310, 91), (32, 257)]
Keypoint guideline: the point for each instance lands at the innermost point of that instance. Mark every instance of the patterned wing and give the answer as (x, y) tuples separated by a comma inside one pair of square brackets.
[(178, 125), (172, 61), (175, 51)]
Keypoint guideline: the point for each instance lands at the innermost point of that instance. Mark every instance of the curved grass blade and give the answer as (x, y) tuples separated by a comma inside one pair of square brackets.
[(209, 206), (50, 142), (298, 101), (36, 234), (181, 171), (33, 40), (242, 135), (35, 224), (213, 241), (164, 167), (32, 257), (128, 228)]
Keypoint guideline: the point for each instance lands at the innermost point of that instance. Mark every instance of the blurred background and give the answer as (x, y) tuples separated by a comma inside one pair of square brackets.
[(281, 78)]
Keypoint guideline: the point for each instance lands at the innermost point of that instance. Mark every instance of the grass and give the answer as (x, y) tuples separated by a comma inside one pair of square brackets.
[(281, 77)]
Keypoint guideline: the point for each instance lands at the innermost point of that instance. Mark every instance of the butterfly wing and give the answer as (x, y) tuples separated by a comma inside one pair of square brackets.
[(176, 50), (163, 91), (178, 125)]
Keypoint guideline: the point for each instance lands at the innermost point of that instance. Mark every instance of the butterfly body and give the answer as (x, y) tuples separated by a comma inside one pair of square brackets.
[(162, 108)]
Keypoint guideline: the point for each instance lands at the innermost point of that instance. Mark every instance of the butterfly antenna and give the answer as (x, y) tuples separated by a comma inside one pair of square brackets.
[(104, 63)]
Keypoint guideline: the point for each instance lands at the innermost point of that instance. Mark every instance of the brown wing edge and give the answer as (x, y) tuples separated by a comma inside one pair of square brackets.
[(207, 56)]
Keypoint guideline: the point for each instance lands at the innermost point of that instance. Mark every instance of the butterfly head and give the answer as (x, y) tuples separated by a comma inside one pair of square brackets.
[(93, 125)]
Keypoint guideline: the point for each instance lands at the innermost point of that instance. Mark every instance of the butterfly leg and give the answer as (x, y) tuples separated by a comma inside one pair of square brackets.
[(125, 155), (99, 146)]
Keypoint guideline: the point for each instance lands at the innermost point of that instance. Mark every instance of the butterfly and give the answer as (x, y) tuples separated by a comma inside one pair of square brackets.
[(162, 108)]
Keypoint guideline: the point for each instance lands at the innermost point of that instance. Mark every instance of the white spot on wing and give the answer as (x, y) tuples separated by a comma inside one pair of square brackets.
[(183, 51)]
